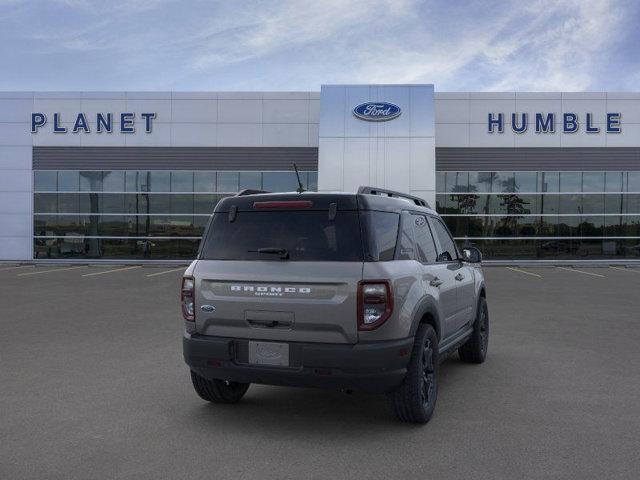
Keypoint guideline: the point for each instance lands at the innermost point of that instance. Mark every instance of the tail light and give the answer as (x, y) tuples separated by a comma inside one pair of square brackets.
[(292, 204), (187, 298), (375, 303)]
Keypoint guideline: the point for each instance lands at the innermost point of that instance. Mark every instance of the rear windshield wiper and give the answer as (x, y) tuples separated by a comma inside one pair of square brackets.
[(283, 252)]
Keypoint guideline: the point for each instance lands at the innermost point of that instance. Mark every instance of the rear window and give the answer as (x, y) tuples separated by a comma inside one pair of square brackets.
[(304, 235)]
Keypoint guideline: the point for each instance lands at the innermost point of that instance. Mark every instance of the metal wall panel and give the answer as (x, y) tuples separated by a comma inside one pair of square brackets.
[(398, 154), (174, 158), (540, 159)]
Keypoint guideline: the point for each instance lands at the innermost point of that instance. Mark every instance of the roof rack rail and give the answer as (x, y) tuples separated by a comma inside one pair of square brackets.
[(390, 193), (249, 191)]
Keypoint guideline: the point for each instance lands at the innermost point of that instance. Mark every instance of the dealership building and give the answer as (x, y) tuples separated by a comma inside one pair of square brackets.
[(135, 175)]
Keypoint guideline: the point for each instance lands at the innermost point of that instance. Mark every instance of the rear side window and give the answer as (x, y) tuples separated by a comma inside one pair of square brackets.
[(381, 233), (424, 240), (446, 246), (406, 240), (304, 235)]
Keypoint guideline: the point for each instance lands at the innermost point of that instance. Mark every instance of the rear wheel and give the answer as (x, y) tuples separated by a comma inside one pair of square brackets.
[(218, 391), (415, 399), (475, 349)]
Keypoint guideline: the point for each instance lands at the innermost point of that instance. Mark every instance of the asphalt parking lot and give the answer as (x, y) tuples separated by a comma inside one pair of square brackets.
[(92, 385)]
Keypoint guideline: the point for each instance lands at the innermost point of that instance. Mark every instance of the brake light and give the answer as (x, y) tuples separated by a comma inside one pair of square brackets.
[(283, 204), (375, 303), (187, 298)]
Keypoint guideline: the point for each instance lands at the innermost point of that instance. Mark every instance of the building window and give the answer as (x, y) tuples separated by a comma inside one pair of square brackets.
[(136, 214), (543, 215)]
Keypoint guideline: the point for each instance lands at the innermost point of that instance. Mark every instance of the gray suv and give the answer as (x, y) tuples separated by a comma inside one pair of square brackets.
[(363, 291)]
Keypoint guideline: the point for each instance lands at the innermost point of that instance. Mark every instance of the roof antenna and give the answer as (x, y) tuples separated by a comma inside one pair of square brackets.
[(300, 188)]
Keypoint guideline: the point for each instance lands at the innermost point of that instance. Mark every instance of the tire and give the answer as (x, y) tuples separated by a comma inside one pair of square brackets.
[(475, 349), (415, 399), (218, 391)]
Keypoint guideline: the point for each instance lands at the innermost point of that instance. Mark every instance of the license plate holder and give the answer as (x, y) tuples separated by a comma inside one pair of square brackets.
[(269, 353)]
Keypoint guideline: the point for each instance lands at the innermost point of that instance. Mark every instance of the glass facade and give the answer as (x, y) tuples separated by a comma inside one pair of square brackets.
[(136, 214), (543, 215), (507, 215)]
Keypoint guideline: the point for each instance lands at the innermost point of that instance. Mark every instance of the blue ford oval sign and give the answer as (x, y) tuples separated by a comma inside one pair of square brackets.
[(377, 111)]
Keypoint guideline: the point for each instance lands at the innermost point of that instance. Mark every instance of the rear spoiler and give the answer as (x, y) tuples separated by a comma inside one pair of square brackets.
[(390, 193), (249, 191)]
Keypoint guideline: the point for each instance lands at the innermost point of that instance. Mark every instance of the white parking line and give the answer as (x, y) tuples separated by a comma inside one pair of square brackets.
[(49, 271), (111, 271), (166, 271), (15, 268), (581, 271), (522, 271), (634, 270)]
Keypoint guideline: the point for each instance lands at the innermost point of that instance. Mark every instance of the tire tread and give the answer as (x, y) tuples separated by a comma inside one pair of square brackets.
[(216, 391), (406, 399), (471, 350)]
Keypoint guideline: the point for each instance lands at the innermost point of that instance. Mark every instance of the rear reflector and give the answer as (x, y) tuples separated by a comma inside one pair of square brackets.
[(284, 204), (187, 299), (375, 303)]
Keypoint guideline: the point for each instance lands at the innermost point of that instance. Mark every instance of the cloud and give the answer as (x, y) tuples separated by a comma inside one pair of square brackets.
[(255, 33), (562, 48), (543, 46), (299, 44)]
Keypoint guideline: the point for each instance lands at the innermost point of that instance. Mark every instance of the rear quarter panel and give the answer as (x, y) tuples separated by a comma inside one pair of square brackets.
[(408, 290)]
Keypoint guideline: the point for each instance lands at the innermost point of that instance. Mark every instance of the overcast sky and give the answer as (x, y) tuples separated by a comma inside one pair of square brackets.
[(534, 45)]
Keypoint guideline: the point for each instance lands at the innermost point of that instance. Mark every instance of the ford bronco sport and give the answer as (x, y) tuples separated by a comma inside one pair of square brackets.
[(364, 291)]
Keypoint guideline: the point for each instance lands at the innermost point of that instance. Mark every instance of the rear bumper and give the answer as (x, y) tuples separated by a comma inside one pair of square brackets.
[(374, 367)]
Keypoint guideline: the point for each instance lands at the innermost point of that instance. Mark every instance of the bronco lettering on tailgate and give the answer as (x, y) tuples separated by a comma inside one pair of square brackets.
[(269, 290)]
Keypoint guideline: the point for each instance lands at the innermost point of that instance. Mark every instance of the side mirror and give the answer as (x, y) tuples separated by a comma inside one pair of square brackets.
[(444, 257), (471, 255)]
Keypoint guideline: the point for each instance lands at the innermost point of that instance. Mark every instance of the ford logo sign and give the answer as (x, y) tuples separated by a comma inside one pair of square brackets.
[(377, 111)]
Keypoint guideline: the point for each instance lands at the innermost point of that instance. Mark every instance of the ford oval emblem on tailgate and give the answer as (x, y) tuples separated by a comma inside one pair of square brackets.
[(208, 308), (377, 111)]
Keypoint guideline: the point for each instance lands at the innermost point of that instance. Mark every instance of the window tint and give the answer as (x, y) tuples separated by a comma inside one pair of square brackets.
[(305, 235), (182, 181), (91, 181), (159, 182), (593, 182), (45, 181), (312, 181), (68, 181), (204, 181), (526, 181), (549, 182), (280, 181), (480, 181), (424, 241), (406, 240), (134, 181), (570, 181), (113, 181), (440, 181), (228, 182), (504, 182), (251, 180), (633, 182), (382, 228), (613, 182), (457, 182), (446, 246)]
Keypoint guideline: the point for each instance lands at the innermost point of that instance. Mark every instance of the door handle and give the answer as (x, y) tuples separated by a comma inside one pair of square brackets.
[(436, 282), (459, 277)]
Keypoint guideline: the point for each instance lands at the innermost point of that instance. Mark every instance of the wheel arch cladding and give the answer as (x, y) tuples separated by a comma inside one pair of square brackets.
[(427, 312)]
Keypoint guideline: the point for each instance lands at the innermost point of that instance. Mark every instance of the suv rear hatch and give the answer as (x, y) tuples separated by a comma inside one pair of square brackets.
[(281, 267)]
